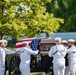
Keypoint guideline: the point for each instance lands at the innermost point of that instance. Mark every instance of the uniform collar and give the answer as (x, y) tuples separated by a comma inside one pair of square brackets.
[(71, 46)]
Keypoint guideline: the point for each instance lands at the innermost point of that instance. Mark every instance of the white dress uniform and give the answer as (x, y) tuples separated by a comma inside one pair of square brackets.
[(3, 53), (58, 52), (25, 54), (2, 61), (72, 59), (67, 72)]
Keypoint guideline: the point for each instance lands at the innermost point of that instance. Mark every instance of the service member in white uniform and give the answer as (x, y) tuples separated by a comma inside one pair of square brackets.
[(4, 45), (25, 54), (3, 53), (71, 57), (58, 52), (2, 62), (64, 43)]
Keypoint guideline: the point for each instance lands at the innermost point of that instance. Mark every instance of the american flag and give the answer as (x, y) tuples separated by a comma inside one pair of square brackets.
[(32, 42), (19, 44)]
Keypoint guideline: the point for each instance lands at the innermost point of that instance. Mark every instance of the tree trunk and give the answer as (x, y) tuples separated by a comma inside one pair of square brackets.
[(14, 40), (47, 35), (1, 36)]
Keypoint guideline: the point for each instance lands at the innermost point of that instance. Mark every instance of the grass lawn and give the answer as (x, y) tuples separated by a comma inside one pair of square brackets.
[(36, 73)]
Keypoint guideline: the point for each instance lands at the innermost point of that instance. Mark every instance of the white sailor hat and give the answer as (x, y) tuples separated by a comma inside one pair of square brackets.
[(57, 38), (5, 41), (64, 41), (71, 40)]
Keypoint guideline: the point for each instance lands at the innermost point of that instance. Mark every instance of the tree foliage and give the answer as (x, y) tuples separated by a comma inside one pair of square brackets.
[(26, 17), (64, 9), (9, 23)]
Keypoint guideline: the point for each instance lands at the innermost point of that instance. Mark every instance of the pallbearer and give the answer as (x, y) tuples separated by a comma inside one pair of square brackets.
[(58, 53), (64, 43), (3, 52), (71, 57), (25, 55)]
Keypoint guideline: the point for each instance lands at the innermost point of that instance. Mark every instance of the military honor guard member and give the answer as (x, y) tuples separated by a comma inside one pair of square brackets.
[(25, 54), (3, 52), (58, 53), (64, 43), (71, 58)]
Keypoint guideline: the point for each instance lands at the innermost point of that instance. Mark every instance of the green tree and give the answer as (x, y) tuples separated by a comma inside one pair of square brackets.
[(26, 17), (64, 9), (10, 24)]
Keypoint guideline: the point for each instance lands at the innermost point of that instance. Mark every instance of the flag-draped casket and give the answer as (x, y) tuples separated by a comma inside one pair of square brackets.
[(32, 42), (42, 61)]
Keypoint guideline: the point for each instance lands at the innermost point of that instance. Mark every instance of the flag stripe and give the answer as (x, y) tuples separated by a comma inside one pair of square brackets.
[(19, 44), (28, 39)]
